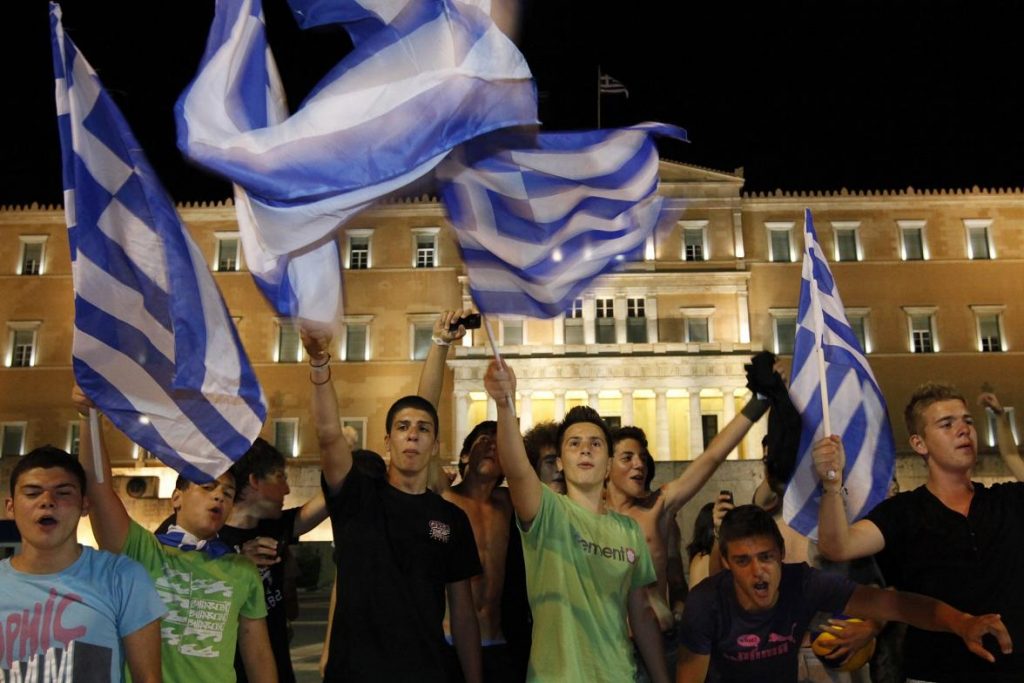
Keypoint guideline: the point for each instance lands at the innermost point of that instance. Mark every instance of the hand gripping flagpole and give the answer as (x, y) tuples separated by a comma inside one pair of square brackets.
[(819, 326), (497, 356)]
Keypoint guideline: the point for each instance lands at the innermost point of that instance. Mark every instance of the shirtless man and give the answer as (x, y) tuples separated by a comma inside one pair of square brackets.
[(656, 512), (489, 509)]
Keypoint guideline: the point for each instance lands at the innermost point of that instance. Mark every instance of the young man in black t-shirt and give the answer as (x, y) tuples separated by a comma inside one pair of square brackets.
[(400, 549), (746, 623)]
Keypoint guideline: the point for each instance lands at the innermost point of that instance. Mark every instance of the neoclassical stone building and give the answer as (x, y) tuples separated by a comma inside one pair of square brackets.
[(930, 280)]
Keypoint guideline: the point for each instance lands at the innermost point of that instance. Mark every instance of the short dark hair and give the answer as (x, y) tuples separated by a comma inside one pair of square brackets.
[(584, 414), (637, 434), (46, 457), (262, 460), (924, 396), (412, 401), (542, 434), (182, 482), (748, 521), (485, 427), (703, 532)]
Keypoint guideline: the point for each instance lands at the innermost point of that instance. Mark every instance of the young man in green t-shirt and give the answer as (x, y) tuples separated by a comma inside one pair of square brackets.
[(214, 597)]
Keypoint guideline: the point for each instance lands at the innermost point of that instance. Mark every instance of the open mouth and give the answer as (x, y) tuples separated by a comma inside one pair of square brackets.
[(761, 588), (47, 521)]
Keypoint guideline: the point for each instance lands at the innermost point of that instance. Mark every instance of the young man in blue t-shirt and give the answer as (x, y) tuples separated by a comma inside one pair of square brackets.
[(68, 607), (746, 623)]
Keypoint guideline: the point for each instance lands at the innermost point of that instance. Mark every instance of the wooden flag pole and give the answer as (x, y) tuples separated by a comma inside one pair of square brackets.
[(497, 356), (819, 324)]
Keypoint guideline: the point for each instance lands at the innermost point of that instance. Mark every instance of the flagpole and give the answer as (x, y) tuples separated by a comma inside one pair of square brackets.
[(497, 356), (826, 420), (94, 441)]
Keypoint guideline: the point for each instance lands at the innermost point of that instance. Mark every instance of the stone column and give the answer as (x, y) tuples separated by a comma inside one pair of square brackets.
[(737, 234), (593, 400), (461, 409), (627, 407), (696, 430), (492, 409), (661, 418), (589, 316), (558, 331), (728, 413), (743, 317), (559, 405), (619, 311), (525, 410)]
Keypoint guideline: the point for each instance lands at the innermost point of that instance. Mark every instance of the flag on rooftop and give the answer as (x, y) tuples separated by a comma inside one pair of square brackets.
[(540, 217), (154, 346), (856, 407), (424, 76), (606, 85)]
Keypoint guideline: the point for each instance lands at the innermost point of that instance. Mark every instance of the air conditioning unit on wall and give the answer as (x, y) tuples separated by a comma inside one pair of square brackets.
[(137, 487)]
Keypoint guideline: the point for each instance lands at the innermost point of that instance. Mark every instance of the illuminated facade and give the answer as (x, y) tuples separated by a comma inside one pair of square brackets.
[(929, 280)]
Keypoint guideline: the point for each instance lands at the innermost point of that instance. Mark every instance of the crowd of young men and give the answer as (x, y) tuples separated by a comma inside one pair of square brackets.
[(433, 580)]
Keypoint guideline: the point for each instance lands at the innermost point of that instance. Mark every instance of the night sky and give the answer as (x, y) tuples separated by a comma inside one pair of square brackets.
[(803, 95)]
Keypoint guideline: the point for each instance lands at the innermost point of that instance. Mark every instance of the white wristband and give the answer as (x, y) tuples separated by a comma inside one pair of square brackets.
[(439, 341)]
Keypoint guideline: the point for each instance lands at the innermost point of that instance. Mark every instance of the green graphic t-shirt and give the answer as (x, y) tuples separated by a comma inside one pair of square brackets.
[(205, 598), (580, 568)]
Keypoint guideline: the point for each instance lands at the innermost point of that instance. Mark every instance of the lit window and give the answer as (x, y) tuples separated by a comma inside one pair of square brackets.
[(783, 330), (636, 321), (979, 245), (12, 438), (922, 337), (512, 332), (289, 344), (22, 344), (605, 321), (228, 252), (73, 437), (989, 323), (846, 246), (779, 242), (286, 436), (426, 248), (858, 319), (574, 323), (697, 328), (356, 347), (357, 425), (695, 240), (359, 249), (32, 249), (912, 245), (421, 340)]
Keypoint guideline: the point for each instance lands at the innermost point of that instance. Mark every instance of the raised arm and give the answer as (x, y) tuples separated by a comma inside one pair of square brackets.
[(523, 484), (335, 455), (837, 539), (432, 374), (931, 615), (109, 518), (1004, 435), (685, 486)]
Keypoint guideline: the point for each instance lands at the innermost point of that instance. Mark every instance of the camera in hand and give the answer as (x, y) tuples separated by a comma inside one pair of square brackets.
[(726, 493), (470, 322)]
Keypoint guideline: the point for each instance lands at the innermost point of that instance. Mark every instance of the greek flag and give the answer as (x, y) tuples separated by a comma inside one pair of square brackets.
[(540, 217), (424, 76), (856, 407), (154, 346)]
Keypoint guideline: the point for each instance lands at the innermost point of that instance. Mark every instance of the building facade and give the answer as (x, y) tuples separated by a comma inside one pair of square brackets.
[(928, 278)]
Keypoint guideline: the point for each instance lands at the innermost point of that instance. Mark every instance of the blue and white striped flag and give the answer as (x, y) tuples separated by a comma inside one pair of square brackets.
[(855, 403), (540, 218), (425, 76), (154, 346)]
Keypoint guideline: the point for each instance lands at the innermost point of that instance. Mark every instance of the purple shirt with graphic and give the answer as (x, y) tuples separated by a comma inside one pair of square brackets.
[(759, 646)]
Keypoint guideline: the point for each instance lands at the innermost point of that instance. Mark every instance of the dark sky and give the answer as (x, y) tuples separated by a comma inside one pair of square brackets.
[(803, 95)]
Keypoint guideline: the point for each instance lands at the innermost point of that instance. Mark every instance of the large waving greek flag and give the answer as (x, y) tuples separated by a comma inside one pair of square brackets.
[(424, 76), (856, 407), (540, 217), (154, 346)]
